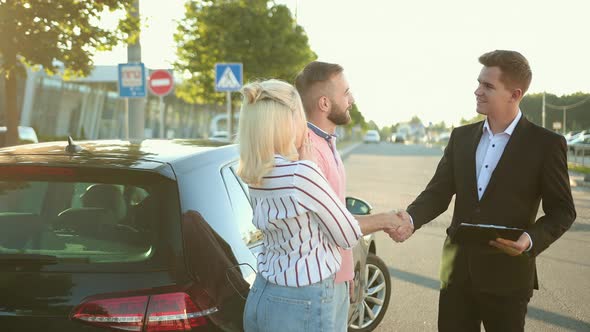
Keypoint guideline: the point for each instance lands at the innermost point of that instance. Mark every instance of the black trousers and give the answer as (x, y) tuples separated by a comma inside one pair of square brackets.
[(460, 308)]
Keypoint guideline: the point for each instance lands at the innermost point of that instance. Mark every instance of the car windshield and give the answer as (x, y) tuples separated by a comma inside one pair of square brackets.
[(82, 215)]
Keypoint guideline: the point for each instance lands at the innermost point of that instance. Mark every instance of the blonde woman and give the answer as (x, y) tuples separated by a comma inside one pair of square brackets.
[(302, 219)]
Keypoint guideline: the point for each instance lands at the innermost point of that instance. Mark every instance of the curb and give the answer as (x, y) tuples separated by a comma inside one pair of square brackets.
[(579, 179), (347, 150)]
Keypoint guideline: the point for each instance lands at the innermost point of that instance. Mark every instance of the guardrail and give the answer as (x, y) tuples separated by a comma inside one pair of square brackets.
[(579, 156)]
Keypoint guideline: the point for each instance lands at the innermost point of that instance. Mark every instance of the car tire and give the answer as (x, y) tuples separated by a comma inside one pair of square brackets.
[(375, 297)]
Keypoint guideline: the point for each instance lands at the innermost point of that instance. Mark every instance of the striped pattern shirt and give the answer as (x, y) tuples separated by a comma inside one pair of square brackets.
[(303, 222)]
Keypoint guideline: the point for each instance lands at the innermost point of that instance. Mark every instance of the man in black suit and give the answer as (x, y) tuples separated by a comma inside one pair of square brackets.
[(499, 170)]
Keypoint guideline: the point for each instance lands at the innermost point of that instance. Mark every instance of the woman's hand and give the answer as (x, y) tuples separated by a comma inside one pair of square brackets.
[(306, 149)]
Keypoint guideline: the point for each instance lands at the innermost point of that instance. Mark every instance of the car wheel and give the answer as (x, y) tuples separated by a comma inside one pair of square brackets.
[(374, 301)]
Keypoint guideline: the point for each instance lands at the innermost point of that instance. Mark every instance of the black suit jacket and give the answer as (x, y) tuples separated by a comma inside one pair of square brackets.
[(533, 168)]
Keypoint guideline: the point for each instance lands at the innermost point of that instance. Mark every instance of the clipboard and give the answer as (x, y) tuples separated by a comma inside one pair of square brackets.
[(484, 233)]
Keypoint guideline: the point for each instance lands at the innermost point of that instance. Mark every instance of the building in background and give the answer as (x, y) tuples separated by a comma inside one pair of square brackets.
[(90, 108)]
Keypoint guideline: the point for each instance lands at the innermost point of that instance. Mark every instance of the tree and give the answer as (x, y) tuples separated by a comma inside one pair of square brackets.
[(441, 126), (372, 125), (415, 120), (258, 33), (356, 118), (43, 32), (477, 118), (577, 118)]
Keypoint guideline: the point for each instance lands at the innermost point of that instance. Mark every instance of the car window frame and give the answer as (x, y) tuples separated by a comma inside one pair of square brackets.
[(228, 173)]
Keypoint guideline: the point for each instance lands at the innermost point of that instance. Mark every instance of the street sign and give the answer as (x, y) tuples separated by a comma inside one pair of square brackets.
[(160, 82), (132, 80), (228, 76)]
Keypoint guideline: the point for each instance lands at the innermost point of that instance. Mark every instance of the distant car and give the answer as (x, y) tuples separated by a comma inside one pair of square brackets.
[(154, 235), (398, 138), (572, 134), (581, 148), (220, 136), (372, 136), (443, 137), (575, 139), (26, 135)]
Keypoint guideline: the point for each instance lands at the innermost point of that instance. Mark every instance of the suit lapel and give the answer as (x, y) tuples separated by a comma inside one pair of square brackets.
[(471, 164), (516, 143)]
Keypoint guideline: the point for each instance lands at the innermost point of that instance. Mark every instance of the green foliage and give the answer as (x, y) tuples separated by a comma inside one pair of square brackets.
[(441, 126), (372, 125), (39, 32), (577, 118), (474, 119), (415, 120), (578, 168), (258, 33), (357, 118)]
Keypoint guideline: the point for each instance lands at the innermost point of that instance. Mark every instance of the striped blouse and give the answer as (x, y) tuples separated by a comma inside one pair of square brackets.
[(303, 222)]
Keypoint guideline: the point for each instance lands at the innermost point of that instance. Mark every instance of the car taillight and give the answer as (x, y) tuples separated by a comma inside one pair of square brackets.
[(160, 312), (125, 313), (174, 312)]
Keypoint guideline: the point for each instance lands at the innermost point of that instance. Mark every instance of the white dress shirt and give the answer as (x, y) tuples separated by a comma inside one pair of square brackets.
[(489, 151)]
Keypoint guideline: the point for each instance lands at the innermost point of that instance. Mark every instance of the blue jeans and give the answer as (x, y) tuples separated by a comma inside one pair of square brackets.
[(271, 308)]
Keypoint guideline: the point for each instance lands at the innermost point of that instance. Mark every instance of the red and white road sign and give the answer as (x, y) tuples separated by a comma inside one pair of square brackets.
[(161, 82)]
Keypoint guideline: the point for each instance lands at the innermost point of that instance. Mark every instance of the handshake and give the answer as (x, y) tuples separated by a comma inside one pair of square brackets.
[(400, 226)]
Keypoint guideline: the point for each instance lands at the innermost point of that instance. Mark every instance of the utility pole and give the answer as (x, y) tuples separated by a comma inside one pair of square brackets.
[(136, 106), (543, 112), (564, 109), (230, 122)]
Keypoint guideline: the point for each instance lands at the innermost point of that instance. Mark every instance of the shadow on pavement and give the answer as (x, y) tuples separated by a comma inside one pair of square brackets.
[(562, 260), (533, 313), (579, 227)]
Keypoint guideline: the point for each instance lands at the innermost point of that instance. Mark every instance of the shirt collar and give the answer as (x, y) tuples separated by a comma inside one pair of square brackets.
[(320, 132), (509, 130)]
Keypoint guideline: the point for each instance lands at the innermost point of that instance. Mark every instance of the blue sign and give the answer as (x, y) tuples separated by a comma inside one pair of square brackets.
[(132, 81), (228, 76)]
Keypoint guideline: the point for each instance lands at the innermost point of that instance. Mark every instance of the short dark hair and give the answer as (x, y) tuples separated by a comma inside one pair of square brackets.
[(315, 72), (516, 72)]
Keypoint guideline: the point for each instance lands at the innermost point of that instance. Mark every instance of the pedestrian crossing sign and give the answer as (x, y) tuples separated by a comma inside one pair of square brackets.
[(228, 76)]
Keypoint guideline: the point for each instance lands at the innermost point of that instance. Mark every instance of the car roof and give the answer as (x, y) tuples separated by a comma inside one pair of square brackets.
[(144, 154)]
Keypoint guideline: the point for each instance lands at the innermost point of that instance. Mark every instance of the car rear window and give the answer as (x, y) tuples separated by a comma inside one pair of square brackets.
[(83, 215)]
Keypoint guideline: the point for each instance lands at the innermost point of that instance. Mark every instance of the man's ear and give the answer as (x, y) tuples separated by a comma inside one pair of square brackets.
[(324, 104), (516, 95)]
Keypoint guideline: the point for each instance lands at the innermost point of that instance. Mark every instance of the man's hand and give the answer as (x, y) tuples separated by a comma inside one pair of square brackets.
[(404, 231), (512, 248)]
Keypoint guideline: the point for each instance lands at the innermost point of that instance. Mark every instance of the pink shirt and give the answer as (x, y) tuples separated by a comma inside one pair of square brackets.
[(330, 163)]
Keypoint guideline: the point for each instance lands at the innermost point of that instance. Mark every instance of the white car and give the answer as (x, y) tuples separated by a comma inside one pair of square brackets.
[(220, 136), (26, 135), (372, 136)]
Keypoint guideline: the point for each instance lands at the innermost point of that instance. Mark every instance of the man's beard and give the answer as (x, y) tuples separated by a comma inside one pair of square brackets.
[(339, 117)]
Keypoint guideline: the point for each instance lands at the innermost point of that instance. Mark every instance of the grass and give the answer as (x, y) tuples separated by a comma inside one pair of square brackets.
[(578, 168)]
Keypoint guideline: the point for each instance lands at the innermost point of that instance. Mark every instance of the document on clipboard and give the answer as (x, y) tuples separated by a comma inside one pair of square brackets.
[(483, 233)]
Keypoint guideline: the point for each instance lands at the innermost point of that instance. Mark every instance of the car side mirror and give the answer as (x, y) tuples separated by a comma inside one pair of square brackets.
[(358, 206)]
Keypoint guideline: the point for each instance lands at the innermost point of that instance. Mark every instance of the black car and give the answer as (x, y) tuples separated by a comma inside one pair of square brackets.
[(147, 236)]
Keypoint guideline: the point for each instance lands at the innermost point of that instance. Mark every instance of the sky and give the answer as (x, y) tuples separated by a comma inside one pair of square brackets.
[(416, 58)]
